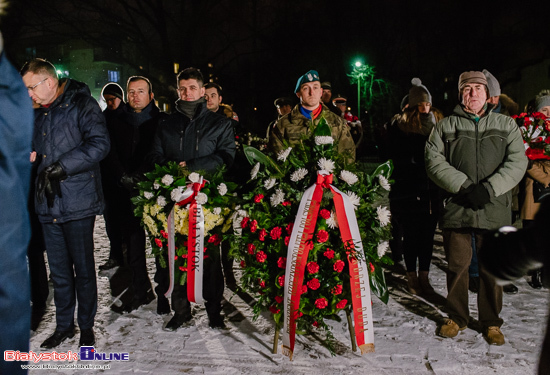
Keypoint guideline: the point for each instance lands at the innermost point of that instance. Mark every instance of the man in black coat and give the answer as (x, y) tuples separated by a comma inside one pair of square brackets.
[(132, 132), (70, 139), (200, 140)]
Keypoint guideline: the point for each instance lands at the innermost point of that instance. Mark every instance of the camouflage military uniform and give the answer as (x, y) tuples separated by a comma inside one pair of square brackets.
[(292, 126)]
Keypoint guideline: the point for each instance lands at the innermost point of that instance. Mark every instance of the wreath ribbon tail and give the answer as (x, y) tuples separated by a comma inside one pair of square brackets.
[(171, 252)]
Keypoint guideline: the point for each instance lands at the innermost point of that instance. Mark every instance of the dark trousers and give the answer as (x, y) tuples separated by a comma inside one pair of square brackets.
[(458, 250), (134, 234), (37, 266), (418, 238), (212, 283), (70, 249), (113, 227)]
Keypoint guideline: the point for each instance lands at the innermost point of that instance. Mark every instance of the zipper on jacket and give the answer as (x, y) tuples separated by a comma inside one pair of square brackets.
[(197, 145)]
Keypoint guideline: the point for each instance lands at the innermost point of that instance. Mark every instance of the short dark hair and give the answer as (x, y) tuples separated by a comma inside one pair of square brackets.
[(39, 66), (139, 78), (210, 85), (191, 73)]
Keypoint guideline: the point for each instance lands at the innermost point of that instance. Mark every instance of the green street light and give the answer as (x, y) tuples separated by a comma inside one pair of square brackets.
[(358, 64)]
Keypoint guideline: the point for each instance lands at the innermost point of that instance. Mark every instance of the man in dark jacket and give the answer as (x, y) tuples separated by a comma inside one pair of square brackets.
[(132, 133), (200, 140), (16, 122), (113, 95), (70, 138)]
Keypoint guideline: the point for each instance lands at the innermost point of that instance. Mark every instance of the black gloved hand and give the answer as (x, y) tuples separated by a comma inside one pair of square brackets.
[(129, 182), (478, 197), (48, 183)]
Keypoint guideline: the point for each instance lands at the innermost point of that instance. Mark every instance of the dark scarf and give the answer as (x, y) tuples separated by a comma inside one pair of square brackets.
[(189, 109), (138, 118)]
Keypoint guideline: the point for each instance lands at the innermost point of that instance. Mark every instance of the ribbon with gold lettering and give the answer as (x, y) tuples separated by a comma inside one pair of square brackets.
[(301, 241), (195, 242)]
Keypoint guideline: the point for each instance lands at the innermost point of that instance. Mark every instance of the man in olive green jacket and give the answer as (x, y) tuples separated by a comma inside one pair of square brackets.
[(294, 125), (477, 157)]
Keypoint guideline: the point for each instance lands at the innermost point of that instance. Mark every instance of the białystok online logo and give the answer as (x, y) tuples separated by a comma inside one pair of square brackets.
[(87, 353)]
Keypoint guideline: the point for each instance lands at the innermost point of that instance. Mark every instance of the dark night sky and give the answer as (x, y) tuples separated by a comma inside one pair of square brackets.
[(260, 47)]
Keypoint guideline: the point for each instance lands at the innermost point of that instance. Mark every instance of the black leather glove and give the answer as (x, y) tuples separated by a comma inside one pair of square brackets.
[(129, 182), (48, 183), (478, 197)]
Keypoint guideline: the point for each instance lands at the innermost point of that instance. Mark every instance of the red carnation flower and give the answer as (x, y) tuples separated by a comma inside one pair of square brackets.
[(274, 309), (289, 228), (262, 234), (276, 233), (244, 223), (299, 314), (286, 203), (258, 198), (215, 239), (183, 269), (322, 236), (261, 256), (342, 304), (313, 284), (339, 265), (279, 299), (261, 283), (321, 303), (325, 214), (329, 253), (281, 280), (337, 290), (287, 240), (250, 248), (253, 226), (243, 264), (163, 233), (158, 242), (315, 324), (312, 267), (304, 289), (281, 262)]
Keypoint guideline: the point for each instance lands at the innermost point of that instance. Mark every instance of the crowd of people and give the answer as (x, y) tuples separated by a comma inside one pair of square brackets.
[(460, 171)]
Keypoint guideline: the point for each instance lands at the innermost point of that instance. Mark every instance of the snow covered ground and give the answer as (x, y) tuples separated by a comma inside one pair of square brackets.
[(405, 337)]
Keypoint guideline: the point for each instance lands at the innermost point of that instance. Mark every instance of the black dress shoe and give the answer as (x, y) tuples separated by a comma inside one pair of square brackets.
[(510, 289), (57, 338), (216, 321), (87, 337), (163, 306), (536, 279), (177, 321), (111, 263), (37, 314)]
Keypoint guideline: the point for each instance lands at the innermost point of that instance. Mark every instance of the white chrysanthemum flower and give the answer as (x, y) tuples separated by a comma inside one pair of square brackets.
[(177, 193), (382, 248), (383, 215), (332, 221), (254, 171), (194, 177), (156, 185), (269, 183), (222, 189), (201, 198), (348, 177), (148, 194), (161, 201), (384, 182), (217, 211), (282, 155), (326, 165), (298, 174), (324, 140), (277, 198), (167, 179), (354, 199)]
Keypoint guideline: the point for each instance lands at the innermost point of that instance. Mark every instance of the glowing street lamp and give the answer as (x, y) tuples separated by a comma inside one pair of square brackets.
[(357, 67)]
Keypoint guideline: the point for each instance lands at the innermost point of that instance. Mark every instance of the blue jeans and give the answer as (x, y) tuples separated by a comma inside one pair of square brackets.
[(70, 249)]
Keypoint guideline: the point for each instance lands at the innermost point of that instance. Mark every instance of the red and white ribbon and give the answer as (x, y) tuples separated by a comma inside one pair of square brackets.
[(301, 241), (195, 243)]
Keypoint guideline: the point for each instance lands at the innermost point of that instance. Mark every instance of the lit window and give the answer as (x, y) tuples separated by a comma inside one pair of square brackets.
[(113, 75)]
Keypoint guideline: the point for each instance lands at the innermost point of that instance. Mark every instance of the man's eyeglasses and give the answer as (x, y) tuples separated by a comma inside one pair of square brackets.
[(31, 88)]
